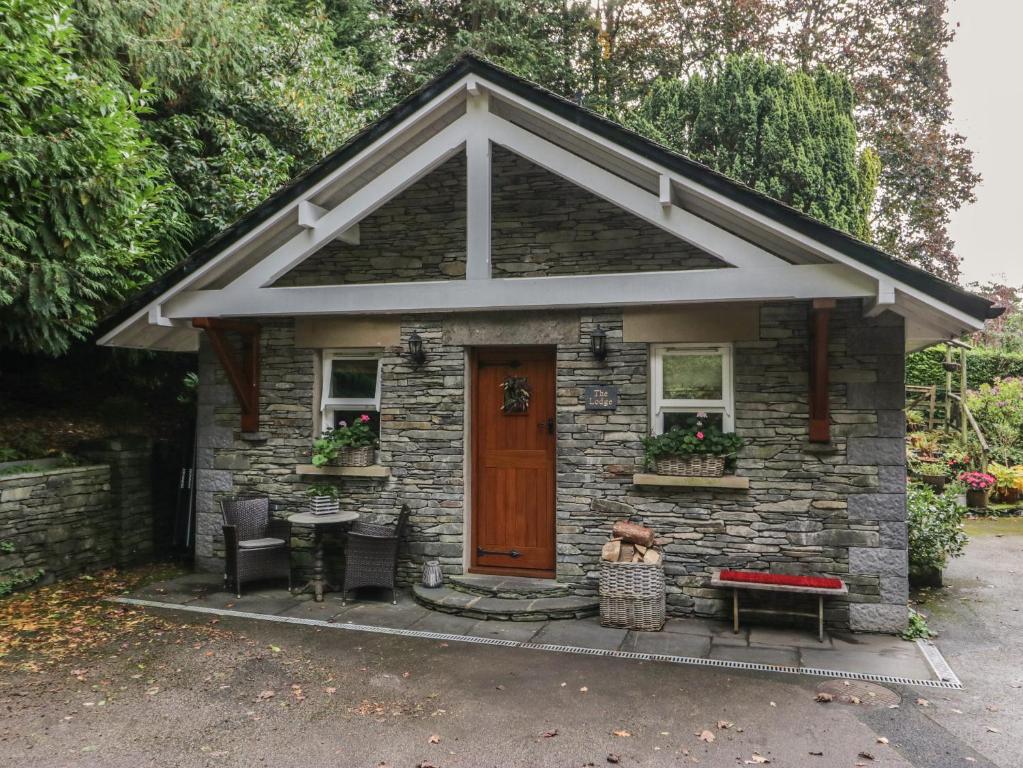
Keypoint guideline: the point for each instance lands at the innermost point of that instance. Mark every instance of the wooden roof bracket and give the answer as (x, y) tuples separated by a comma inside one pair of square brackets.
[(820, 417), (243, 374)]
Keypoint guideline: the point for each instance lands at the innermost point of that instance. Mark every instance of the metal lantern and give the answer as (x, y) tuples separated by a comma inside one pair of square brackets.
[(598, 343), (415, 349)]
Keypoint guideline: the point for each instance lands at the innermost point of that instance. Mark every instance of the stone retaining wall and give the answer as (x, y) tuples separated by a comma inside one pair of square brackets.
[(72, 520), (837, 509)]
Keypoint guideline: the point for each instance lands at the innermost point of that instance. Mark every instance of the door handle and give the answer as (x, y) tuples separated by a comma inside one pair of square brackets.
[(550, 425), (481, 552)]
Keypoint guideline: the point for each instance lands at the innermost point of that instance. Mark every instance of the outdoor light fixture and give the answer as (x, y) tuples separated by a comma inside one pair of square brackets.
[(415, 349), (598, 343)]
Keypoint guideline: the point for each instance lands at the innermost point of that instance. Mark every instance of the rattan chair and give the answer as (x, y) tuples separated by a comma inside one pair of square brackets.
[(371, 555), (256, 546)]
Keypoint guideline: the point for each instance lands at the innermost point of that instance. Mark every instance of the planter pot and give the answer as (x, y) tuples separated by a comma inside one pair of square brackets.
[(924, 576), (433, 577), (936, 481), (356, 457), (702, 465), (976, 499), (323, 505), (1009, 495)]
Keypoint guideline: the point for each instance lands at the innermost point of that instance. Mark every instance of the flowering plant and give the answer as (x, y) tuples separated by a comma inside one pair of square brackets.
[(977, 481), (699, 438), (358, 434)]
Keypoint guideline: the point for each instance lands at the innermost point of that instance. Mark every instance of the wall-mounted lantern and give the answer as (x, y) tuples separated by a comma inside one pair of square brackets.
[(598, 343), (415, 349)]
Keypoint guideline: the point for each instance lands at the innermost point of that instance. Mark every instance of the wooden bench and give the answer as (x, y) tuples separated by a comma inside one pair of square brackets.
[(776, 582)]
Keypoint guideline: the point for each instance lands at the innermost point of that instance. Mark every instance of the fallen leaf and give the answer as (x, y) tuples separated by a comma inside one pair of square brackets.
[(265, 695), (435, 739), (756, 759), (882, 740), (584, 689), (550, 734), (707, 736), (992, 730), (622, 734), (823, 698), (817, 754), (923, 702), (613, 758), (866, 755), (722, 724)]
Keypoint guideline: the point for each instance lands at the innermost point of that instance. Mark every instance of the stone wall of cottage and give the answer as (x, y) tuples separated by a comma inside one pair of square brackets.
[(837, 509), (542, 225)]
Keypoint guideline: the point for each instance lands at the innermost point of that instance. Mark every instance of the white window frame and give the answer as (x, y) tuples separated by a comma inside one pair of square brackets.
[(330, 404), (660, 405)]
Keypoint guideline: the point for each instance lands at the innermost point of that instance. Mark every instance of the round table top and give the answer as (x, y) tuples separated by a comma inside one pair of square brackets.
[(308, 518)]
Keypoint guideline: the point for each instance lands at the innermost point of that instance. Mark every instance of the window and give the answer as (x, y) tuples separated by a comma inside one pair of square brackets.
[(351, 387), (688, 380)]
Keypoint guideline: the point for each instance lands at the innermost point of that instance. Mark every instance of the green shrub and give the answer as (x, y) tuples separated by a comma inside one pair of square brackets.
[(935, 526), (983, 366), (699, 439), (998, 408)]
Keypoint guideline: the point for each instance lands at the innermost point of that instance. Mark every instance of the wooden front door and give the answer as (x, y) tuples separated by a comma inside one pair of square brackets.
[(513, 461)]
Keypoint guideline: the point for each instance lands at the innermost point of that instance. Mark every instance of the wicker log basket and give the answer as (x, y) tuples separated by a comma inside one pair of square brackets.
[(632, 596), (356, 457), (698, 465)]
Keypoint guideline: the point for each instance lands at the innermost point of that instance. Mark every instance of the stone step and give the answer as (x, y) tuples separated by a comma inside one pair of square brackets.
[(508, 587), (449, 600)]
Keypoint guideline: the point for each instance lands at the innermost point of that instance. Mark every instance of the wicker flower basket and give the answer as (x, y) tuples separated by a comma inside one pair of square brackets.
[(632, 596), (356, 457), (698, 465)]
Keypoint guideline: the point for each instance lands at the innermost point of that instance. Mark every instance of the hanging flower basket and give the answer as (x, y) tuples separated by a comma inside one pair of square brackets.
[(699, 465)]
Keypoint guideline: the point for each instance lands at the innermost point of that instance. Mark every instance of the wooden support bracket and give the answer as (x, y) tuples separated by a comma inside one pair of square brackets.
[(820, 418), (242, 374)]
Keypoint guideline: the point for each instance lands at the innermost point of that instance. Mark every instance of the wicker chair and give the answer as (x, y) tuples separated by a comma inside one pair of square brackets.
[(371, 555), (256, 545)]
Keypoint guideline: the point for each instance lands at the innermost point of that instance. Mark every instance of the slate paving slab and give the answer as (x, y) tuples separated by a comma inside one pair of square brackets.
[(670, 644), (581, 633), (383, 614), (778, 657), (516, 631), (445, 623), (866, 661), (781, 637)]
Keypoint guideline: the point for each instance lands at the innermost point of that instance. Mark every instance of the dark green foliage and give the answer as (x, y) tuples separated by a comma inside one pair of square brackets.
[(789, 134), (982, 366), (538, 39), (86, 210), (935, 526)]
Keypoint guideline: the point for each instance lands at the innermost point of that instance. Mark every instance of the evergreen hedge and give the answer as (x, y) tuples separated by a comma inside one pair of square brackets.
[(983, 366)]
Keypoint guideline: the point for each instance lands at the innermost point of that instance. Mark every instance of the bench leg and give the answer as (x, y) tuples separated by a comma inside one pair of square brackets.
[(735, 611), (820, 618)]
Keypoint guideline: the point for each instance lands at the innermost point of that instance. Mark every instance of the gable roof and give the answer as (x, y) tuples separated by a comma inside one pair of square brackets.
[(861, 252)]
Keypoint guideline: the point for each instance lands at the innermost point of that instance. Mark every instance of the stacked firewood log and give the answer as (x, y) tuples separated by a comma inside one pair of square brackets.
[(631, 543)]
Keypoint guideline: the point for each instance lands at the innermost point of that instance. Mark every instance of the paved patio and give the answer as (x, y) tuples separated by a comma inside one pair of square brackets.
[(693, 641)]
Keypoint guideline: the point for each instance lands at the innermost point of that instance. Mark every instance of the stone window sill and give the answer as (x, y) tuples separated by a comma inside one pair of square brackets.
[(728, 482), (373, 470)]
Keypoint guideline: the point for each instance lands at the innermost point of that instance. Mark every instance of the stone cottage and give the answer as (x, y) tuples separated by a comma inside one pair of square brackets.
[(506, 232)]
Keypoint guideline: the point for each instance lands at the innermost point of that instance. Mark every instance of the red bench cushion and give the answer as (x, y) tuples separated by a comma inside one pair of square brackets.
[(759, 577)]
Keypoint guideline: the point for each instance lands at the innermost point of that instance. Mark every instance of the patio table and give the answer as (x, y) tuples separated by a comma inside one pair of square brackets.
[(318, 583)]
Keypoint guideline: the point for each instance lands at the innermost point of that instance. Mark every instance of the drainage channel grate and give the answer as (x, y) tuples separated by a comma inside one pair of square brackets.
[(949, 683)]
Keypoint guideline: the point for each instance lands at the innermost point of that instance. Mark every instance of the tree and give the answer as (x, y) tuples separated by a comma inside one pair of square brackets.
[(87, 212), (789, 134), (246, 93), (541, 40)]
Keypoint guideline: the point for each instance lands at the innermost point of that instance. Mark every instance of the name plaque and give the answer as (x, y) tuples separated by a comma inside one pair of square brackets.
[(600, 398)]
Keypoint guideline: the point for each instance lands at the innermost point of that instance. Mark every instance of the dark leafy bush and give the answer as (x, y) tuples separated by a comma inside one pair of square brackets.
[(698, 439), (935, 526), (983, 366)]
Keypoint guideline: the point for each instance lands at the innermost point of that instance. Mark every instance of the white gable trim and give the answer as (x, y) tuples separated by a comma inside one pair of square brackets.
[(643, 288)]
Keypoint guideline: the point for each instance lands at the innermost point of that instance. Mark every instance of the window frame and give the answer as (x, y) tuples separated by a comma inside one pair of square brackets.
[(660, 405), (330, 404)]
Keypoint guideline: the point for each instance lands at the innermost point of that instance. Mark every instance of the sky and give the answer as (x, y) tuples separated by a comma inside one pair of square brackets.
[(987, 107)]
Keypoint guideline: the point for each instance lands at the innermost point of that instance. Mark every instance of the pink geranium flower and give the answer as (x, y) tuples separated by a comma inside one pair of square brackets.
[(364, 418), (699, 435)]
